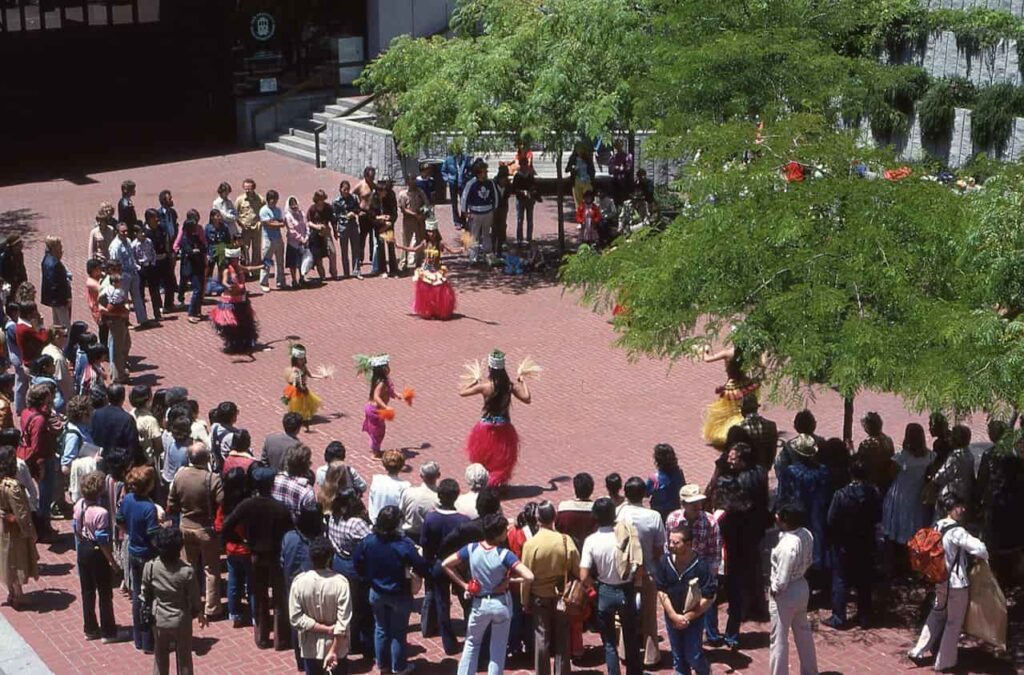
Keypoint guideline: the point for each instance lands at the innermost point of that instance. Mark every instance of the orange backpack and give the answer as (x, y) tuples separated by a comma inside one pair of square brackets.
[(927, 557)]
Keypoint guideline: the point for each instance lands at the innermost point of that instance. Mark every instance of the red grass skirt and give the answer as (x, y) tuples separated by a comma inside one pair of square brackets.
[(496, 446), (236, 324), (433, 301)]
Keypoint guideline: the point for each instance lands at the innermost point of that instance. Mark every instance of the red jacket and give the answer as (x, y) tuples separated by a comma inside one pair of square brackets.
[(30, 342), (37, 439), (595, 213)]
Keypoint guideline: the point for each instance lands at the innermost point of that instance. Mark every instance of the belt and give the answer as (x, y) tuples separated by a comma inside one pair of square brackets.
[(484, 596)]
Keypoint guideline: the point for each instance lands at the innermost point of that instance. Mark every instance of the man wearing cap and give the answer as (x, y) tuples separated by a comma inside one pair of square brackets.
[(414, 222), (707, 544)]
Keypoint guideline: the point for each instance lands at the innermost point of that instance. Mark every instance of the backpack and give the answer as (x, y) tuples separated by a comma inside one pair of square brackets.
[(927, 556)]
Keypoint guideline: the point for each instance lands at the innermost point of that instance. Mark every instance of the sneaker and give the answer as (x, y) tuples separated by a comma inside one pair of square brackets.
[(89, 637), (117, 637), (359, 275), (265, 289)]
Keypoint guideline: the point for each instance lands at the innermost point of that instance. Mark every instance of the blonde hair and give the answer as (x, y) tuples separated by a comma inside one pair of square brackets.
[(52, 241), (393, 460)]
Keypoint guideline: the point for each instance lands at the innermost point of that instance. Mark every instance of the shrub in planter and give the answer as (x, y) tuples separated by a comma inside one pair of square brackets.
[(935, 111)]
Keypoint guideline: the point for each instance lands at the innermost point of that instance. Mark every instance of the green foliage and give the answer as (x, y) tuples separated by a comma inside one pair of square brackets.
[(892, 99), (992, 118), (936, 108), (976, 28)]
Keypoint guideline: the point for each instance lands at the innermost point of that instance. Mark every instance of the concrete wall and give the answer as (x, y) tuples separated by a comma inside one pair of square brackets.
[(269, 123), (387, 19), (349, 147)]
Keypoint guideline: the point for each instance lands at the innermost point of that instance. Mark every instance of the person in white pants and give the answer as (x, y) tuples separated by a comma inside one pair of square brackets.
[(951, 596), (791, 558)]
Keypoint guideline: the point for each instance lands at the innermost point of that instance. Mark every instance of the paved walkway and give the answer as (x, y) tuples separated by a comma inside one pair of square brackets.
[(593, 409)]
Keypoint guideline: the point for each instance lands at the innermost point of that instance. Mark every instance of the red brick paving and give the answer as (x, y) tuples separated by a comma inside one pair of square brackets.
[(594, 410)]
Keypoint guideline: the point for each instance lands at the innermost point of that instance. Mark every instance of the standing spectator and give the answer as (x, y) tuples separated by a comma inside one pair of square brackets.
[(956, 475), (176, 441), (877, 450), (265, 521), (418, 501), (456, 172), (903, 512), (364, 191), (613, 485), (320, 610), (221, 429), (951, 596), (295, 557), (218, 239), (19, 560), (62, 369), (645, 186), (803, 423), (348, 524), (425, 181), (524, 186), (319, 218), (763, 433), (651, 529), (938, 428), (387, 489), (169, 586), (293, 487), (196, 492), (384, 212), (94, 274), (855, 510), (346, 220), (476, 480), (121, 252), (249, 206), (76, 435), (741, 490), (161, 274), (437, 596), (150, 269), (791, 558), (335, 453), (92, 527), (603, 564), (706, 543), (676, 573), (6, 401), (239, 557), (499, 228), (227, 208), (581, 171), (620, 166), (1000, 491), (807, 483), (383, 558), (479, 201), (137, 516), (240, 454), (30, 334), (277, 444), (55, 289), (576, 516), (126, 205), (190, 247), (272, 222), (664, 484), (112, 425), (411, 203), (552, 558), (12, 264), (298, 241), (103, 233), (588, 219), (114, 312), (167, 216), (38, 450), (490, 565)]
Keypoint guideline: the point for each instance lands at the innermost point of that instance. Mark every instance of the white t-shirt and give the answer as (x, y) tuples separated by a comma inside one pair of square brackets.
[(600, 556), (385, 491), (957, 542)]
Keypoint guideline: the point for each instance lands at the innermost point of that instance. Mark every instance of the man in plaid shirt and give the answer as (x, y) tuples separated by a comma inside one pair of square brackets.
[(294, 488), (707, 543), (764, 434)]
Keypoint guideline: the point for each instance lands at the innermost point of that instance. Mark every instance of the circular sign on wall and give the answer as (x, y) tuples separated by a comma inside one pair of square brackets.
[(262, 26)]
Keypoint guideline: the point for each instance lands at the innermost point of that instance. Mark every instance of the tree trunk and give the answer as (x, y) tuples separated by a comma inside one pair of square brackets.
[(631, 149), (560, 199), (848, 420)]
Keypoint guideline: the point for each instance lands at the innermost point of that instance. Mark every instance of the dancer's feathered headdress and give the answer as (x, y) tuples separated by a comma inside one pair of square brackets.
[(366, 363), (496, 359), (297, 351)]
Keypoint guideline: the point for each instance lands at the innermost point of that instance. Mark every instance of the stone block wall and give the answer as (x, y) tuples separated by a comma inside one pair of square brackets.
[(349, 147)]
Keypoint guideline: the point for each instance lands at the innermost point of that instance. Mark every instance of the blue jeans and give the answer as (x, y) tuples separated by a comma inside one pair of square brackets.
[(21, 380), (687, 654), (437, 602), (384, 257), (143, 637), (494, 613), (619, 601), (711, 617), (47, 485), (195, 303), (239, 581), (362, 627), (524, 207), (391, 616)]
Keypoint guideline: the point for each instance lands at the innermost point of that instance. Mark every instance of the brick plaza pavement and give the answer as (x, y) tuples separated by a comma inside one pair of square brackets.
[(593, 409)]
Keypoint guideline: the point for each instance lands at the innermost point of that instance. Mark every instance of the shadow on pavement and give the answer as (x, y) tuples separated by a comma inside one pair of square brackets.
[(21, 222)]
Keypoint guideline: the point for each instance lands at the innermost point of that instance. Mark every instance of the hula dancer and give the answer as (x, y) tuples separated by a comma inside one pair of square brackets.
[(233, 317), (297, 395), (433, 295), (493, 441), (378, 412), (724, 413)]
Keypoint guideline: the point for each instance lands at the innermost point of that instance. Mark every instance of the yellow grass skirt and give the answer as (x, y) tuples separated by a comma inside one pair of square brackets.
[(306, 404), (719, 417)]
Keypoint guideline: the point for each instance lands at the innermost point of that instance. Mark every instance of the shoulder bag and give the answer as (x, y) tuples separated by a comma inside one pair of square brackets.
[(573, 599)]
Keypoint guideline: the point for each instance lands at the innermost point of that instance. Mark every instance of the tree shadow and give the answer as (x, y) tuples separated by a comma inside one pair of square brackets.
[(20, 222)]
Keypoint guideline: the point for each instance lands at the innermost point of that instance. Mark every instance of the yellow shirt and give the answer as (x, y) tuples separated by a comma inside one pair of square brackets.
[(249, 210), (548, 555)]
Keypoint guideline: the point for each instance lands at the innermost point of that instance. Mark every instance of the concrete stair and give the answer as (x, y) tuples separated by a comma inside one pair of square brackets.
[(297, 140)]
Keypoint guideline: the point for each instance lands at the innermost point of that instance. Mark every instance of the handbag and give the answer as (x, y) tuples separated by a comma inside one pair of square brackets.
[(573, 599)]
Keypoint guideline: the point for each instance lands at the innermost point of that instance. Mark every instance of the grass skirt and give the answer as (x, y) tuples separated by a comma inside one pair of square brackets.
[(235, 322), (433, 301), (719, 417), (306, 404), (374, 425), (496, 446)]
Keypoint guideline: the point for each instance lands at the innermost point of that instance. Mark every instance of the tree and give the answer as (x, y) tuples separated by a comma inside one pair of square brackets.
[(548, 71), (840, 280)]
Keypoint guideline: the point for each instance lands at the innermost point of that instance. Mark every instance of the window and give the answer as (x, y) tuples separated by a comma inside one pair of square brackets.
[(32, 15)]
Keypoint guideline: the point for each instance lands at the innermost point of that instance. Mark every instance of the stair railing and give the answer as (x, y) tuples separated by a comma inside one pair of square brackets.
[(323, 125)]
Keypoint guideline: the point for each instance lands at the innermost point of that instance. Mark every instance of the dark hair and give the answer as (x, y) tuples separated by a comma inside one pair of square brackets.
[(938, 420), (310, 522), (224, 187), (914, 439), (115, 462), (613, 483), (297, 460), (792, 514), (804, 422), (745, 453), (527, 517), (448, 492), (858, 468), (92, 264), (140, 395), (546, 512), (736, 435), (127, 186), (115, 393), (872, 422), (236, 488), (321, 552), (29, 308), (176, 396), (749, 403), (636, 489), (75, 333), (683, 528), (241, 440), (8, 462), (158, 406), (495, 526), (665, 458), (487, 501), (389, 521), (6, 380), (291, 423), (960, 436), (377, 375), (501, 391), (150, 215), (950, 501), (262, 478), (226, 411), (347, 504), (604, 511), (168, 543), (996, 430), (272, 194), (96, 352), (583, 485), (334, 452)]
